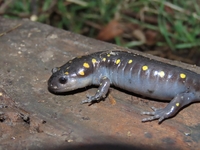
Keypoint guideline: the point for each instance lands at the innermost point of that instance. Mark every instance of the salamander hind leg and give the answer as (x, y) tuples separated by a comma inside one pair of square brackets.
[(101, 92), (178, 102)]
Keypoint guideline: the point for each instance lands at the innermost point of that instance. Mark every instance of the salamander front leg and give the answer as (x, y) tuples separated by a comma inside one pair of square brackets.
[(180, 101), (101, 92)]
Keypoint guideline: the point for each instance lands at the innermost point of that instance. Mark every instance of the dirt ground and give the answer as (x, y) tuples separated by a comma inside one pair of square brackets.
[(33, 118)]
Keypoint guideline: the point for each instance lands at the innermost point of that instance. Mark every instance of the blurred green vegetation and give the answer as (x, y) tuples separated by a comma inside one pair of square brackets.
[(178, 22)]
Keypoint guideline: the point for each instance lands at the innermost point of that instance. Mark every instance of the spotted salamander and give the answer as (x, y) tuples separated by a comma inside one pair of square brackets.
[(130, 72)]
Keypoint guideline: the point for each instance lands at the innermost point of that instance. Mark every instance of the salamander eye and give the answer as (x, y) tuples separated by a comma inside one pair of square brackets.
[(63, 80)]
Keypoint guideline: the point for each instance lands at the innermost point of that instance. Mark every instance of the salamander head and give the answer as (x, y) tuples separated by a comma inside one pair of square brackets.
[(61, 81)]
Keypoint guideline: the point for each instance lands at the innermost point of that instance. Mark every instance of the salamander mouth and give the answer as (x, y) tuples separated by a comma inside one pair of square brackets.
[(57, 88), (53, 88)]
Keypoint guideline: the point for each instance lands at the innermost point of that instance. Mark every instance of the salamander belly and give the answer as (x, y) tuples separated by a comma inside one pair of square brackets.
[(150, 88)]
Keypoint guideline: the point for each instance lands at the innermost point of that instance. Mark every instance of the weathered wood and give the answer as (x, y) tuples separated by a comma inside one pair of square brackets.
[(36, 119)]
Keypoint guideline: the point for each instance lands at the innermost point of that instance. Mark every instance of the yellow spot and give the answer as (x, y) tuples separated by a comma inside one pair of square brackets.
[(118, 61), (144, 68), (94, 61), (104, 59), (66, 73), (104, 77), (177, 104), (70, 61), (161, 74), (130, 61), (82, 73), (1, 94), (182, 75), (108, 55), (86, 65)]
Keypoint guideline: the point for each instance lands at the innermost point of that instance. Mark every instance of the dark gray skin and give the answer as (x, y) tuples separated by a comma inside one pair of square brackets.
[(133, 73)]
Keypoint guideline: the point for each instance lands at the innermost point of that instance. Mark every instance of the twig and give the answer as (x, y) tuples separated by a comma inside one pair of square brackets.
[(9, 30)]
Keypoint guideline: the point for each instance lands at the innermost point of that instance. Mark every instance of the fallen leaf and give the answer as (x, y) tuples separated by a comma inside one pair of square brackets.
[(139, 34), (110, 31), (111, 99), (151, 37)]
